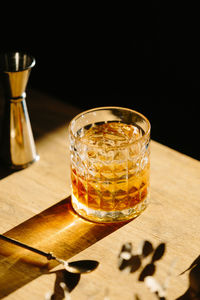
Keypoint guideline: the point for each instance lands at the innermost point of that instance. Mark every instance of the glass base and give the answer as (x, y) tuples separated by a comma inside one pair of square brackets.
[(102, 216)]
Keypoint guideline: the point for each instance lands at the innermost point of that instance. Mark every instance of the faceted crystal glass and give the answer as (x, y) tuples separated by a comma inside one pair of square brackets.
[(109, 150)]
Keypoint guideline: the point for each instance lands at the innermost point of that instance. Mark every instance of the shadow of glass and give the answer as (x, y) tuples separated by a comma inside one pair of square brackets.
[(58, 229)]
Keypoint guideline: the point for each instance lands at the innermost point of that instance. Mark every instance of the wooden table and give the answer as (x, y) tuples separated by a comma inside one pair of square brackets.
[(35, 208)]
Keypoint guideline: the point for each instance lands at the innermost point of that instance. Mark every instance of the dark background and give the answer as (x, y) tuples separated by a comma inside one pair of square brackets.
[(145, 58)]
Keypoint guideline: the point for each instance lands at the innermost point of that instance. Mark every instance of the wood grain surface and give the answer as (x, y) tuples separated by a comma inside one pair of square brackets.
[(35, 208)]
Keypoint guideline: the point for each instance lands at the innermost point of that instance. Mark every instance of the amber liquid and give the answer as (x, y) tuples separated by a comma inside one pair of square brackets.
[(113, 178)]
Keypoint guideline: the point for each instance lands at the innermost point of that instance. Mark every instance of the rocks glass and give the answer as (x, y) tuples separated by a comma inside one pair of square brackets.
[(109, 149)]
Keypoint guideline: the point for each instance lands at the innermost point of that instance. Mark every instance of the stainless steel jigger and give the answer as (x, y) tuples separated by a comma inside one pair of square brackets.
[(17, 143)]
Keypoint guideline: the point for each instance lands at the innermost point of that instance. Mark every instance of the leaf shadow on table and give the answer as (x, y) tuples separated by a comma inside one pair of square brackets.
[(58, 229), (132, 262), (64, 284), (193, 291)]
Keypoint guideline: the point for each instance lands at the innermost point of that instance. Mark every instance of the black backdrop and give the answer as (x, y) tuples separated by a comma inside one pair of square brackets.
[(145, 58)]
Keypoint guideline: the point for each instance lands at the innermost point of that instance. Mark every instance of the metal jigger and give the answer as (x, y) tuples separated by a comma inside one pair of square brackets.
[(17, 143)]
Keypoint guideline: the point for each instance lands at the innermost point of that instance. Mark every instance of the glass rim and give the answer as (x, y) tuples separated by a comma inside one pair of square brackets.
[(143, 137)]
